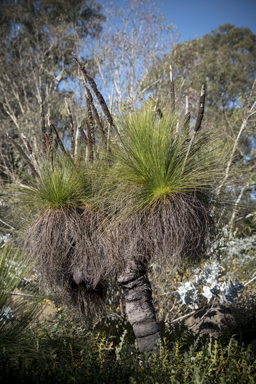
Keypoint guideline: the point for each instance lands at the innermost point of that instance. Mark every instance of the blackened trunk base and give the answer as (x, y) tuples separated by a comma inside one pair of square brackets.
[(139, 308)]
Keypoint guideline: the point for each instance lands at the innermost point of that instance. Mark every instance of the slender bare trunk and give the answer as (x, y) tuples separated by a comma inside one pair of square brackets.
[(139, 308)]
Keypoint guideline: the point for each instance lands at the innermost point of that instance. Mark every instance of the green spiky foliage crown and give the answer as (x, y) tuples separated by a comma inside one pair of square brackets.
[(159, 187), (59, 229), (59, 187), (154, 162)]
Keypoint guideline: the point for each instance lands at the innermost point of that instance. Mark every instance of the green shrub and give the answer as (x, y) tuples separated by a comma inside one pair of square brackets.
[(66, 353)]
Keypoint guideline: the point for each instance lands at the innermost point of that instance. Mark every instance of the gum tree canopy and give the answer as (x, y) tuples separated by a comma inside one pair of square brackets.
[(224, 60), (36, 65)]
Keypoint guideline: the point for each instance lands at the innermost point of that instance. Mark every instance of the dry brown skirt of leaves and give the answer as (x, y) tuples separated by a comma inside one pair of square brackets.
[(76, 256), (70, 255), (174, 228)]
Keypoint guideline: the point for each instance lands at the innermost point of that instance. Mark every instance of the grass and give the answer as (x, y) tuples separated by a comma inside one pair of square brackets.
[(65, 353), (14, 332), (150, 169), (59, 187)]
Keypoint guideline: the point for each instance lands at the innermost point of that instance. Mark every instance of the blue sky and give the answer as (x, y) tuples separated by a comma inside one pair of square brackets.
[(195, 18)]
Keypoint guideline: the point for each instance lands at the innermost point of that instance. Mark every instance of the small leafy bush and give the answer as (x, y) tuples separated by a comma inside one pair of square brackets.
[(228, 269)]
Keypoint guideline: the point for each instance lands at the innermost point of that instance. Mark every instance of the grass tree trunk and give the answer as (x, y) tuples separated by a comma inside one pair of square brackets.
[(139, 308)]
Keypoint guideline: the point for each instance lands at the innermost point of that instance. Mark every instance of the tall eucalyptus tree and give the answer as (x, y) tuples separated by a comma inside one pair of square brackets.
[(37, 38)]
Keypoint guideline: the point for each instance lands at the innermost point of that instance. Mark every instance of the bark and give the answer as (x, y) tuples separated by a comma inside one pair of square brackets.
[(172, 91), (43, 131), (58, 139), (90, 141), (200, 114), (139, 308), (71, 129)]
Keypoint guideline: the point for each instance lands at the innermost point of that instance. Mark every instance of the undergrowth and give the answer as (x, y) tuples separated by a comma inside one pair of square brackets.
[(65, 349), (108, 353)]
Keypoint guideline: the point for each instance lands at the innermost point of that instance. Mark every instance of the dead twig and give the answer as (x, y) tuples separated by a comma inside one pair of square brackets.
[(71, 128), (172, 91), (23, 154), (199, 119), (43, 131)]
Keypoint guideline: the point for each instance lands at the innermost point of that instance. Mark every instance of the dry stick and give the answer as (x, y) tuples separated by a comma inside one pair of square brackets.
[(50, 144), (6, 224), (71, 128), (177, 128), (89, 141), (206, 313), (187, 115), (76, 142), (83, 135), (49, 130), (234, 149), (110, 107), (23, 154), (186, 119), (172, 93), (27, 143), (250, 281), (199, 119), (90, 121), (157, 109), (189, 148), (30, 150), (100, 99), (200, 114), (96, 91), (90, 130), (23, 294), (94, 110), (168, 314), (182, 317), (55, 144), (97, 118), (235, 210), (245, 217), (58, 138), (50, 139), (191, 313), (47, 142), (43, 131)]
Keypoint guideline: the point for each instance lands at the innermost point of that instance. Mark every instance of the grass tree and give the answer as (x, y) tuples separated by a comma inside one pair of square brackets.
[(97, 217), (158, 191), (61, 233), (59, 224)]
